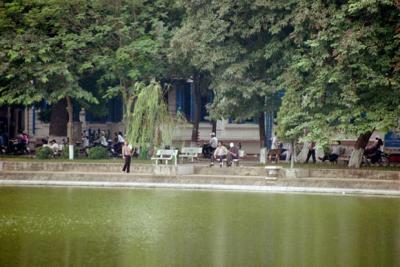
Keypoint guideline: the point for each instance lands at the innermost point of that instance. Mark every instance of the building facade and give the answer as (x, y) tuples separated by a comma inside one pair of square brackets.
[(180, 98)]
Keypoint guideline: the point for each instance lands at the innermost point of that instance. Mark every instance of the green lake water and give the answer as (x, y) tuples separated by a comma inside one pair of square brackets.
[(157, 227)]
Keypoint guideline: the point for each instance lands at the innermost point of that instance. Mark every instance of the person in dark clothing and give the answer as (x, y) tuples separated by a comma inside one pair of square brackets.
[(311, 152), (332, 155), (233, 153), (127, 155), (374, 152)]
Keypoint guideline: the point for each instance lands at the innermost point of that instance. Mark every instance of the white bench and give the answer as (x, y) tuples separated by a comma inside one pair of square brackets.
[(167, 155), (190, 153)]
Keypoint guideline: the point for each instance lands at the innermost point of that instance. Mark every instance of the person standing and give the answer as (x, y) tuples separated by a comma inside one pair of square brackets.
[(274, 142), (127, 155), (213, 143), (311, 152)]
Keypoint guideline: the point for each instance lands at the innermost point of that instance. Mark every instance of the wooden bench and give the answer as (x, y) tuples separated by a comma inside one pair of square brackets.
[(190, 153), (165, 154), (274, 154), (344, 158)]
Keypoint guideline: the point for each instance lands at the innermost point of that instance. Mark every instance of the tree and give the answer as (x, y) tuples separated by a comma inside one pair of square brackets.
[(132, 38), (44, 46), (151, 124), (228, 40), (344, 73)]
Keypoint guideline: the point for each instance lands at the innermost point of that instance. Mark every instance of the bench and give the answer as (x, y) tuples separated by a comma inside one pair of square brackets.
[(236, 161), (190, 153), (274, 155), (165, 154)]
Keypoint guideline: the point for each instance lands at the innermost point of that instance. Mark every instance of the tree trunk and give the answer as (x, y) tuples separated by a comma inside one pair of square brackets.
[(261, 128), (292, 154), (58, 119), (70, 128), (214, 126), (197, 108), (359, 147)]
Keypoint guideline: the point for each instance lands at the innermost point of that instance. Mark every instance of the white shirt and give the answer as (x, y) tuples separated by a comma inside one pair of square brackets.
[(221, 151), (214, 142), (336, 150), (274, 144), (85, 142), (55, 147), (120, 139), (103, 141)]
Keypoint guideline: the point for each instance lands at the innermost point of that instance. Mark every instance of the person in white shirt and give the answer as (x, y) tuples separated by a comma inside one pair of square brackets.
[(212, 145), (103, 140), (120, 138), (213, 141), (126, 155), (54, 146), (220, 153), (275, 142)]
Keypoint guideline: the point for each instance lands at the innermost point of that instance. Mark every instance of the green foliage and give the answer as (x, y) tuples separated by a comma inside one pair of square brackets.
[(42, 45), (344, 75), (150, 122), (337, 61), (234, 41), (44, 153), (98, 152), (144, 153), (65, 152), (45, 115)]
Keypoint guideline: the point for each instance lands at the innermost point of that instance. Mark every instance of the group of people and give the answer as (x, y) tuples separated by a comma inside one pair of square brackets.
[(101, 138), (16, 146), (216, 151)]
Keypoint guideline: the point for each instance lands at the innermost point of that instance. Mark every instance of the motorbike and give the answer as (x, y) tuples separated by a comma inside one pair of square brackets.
[(207, 151), (375, 157)]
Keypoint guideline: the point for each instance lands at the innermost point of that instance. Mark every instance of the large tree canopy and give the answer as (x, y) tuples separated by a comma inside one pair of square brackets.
[(337, 61), (238, 43), (43, 45), (344, 75)]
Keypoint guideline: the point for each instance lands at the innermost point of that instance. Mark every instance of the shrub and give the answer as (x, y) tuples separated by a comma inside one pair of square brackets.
[(44, 153), (65, 152), (143, 155), (98, 152)]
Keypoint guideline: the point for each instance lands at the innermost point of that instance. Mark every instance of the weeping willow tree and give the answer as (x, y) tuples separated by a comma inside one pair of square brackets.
[(150, 124)]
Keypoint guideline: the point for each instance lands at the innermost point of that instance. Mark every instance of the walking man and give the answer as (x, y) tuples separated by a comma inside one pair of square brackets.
[(126, 154), (311, 152)]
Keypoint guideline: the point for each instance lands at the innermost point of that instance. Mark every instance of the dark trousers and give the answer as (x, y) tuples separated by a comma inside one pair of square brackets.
[(127, 164), (230, 158), (212, 154), (311, 152)]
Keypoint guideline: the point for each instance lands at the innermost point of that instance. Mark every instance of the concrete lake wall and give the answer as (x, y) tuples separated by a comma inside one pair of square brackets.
[(197, 175)]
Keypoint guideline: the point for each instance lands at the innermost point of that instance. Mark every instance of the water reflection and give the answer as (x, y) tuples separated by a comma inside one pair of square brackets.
[(125, 227)]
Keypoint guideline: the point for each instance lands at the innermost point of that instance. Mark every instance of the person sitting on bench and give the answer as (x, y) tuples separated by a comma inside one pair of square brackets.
[(333, 155), (233, 153), (220, 153)]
